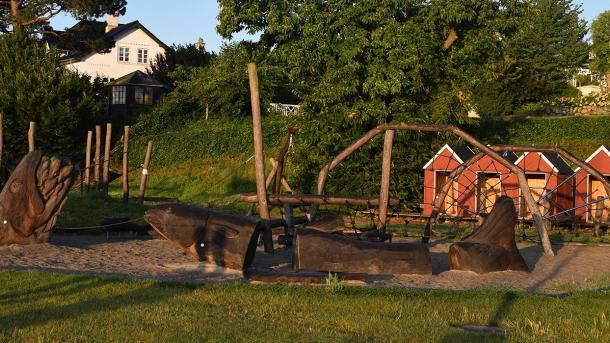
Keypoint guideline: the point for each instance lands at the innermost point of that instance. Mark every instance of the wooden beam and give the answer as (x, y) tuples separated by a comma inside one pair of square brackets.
[(126, 163), (386, 169), (97, 156), (106, 171), (259, 156), (309, 199), (145, 171), (88, 159)]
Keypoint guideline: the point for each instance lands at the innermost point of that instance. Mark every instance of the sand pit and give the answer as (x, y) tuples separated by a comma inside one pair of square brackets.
[(574, 266)]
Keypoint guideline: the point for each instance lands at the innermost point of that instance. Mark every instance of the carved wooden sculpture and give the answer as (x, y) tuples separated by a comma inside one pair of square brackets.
[(492, 246), (331, 252), (223, 239), (32, 198)]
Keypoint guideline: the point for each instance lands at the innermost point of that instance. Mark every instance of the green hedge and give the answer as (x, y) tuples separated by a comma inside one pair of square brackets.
[(580, 135), (221, 137)]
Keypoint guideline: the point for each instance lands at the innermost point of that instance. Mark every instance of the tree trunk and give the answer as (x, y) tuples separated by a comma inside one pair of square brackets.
[(14, 11)]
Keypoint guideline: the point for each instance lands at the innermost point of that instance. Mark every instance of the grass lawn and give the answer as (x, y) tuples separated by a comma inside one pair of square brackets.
[(37, 306)]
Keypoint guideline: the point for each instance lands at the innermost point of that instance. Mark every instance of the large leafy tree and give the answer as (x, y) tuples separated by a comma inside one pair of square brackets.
[(35, 16), (221, 87), (362, 63), (600, 34), (547, 48), (178, 61), (35, 87)]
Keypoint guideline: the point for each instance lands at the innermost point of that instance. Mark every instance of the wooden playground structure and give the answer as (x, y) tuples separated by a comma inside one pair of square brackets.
[(320, 243)]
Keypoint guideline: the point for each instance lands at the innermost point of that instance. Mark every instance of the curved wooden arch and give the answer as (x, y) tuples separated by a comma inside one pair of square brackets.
[(484, 149)]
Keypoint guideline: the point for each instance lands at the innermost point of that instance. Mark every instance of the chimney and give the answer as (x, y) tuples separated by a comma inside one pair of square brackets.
[(112, 22)]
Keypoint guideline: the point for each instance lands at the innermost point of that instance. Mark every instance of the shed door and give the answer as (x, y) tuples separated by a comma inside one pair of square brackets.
[(598, 191), (489, 189), (450, 204), (537, 183)]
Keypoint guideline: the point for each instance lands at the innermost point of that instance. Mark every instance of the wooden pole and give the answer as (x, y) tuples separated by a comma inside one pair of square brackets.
[(88, 160), (207, 111), (386, 169), (126, 163), (31, 133), (106, 171), (599, 211), (259, 156), (145, 171), (97, 157), (1, 136)]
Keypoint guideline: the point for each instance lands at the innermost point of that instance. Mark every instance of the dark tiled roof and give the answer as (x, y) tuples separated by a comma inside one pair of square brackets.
[(138, 78), (63, 40), (463, 152), (558, 162), (509, 155)]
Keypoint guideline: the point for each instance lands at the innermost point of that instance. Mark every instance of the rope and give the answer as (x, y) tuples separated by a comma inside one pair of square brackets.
[(82, 228)]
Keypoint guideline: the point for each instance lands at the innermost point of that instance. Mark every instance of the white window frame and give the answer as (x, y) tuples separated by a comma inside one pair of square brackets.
[(123, 54), (119, 95), (142, 56)]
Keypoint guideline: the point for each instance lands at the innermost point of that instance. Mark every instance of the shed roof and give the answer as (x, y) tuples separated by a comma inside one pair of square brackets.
[(138, 78), (554, 161), (461, 153)]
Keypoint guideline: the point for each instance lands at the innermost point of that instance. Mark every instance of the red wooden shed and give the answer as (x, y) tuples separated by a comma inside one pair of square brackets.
[(545, 173), (589, 189), (435, 176)]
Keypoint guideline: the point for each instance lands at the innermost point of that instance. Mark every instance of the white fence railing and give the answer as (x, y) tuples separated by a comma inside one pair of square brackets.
[(284, 109)]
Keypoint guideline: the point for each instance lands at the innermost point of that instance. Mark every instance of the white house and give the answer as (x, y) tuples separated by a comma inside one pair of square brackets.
[(135, 48)]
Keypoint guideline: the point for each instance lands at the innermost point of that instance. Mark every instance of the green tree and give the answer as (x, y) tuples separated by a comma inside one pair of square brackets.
[(600, 34), (221, 87), (547, 48), (35, 15), (362, 63), (36, 87), (183, 57)]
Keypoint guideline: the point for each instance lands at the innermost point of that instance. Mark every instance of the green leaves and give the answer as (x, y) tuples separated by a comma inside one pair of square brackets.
[(600, 33), (36, 87)]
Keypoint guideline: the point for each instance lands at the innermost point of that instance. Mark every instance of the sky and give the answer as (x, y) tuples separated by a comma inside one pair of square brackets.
[(192, 19)]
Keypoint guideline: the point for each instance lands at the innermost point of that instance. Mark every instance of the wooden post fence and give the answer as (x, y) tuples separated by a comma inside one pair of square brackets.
[(31, 134), (126, 163), (97, 158), (145, 171), (88, 160), (106, 171)]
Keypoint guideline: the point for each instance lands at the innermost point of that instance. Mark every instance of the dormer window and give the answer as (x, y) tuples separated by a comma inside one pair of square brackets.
[(143, 56), (123, 54)]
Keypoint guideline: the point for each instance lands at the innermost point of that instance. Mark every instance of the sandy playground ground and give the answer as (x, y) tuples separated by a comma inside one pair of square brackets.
[(574, 267)]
